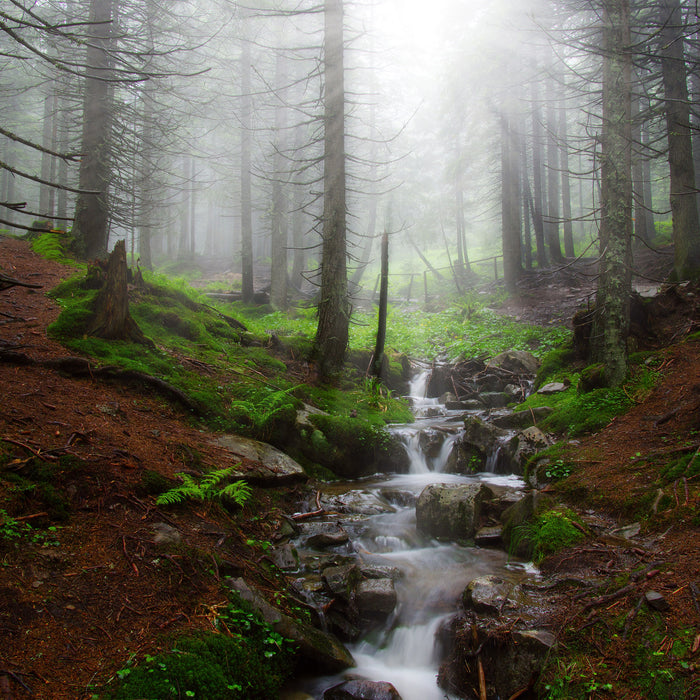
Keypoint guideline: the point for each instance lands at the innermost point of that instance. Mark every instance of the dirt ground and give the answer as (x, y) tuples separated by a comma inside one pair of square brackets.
[(73, 613)]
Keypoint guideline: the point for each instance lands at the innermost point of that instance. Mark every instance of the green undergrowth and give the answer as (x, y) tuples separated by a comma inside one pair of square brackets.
[(659, 662), (468, 328), (52, 246), (576, 412), (548, 532), (244, 659)]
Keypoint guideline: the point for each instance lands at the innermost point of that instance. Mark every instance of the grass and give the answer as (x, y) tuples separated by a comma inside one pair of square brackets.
[(577, 413)]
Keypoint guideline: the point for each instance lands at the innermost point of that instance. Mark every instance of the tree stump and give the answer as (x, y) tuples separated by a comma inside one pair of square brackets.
[(112, 319)]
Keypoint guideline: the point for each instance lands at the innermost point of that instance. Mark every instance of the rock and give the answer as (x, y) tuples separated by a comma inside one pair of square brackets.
[(468, 405), (493, 399), (490, 383), (628, 531), (392, 572), (358, 502), (273, 468), (451, 512), (362, 690), (526, 444), (166, 535), (406, 499), (333, 538), (447, 397), (515, 361), (341, 580), (509, 661), (319, 652), (303, 414), (521, 419), (489, 536), (656, 601), (552, 388), (285, 557), (515, 533), (487, 594), (376, 597)]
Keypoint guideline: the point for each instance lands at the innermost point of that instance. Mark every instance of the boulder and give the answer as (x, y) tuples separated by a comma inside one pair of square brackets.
[(271, 467), (362, 690), (451, 511), (521, 419), (524, 445), (516, 536), (553, 388), (489, 536), (507, 662), (471, 452), (516, 361), (494, 399), (319, 652), (341, 580), (329, 538), (376, 597), (487, 595)]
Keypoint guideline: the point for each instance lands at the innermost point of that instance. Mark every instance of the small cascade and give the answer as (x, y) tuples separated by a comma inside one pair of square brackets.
[(431, 575)]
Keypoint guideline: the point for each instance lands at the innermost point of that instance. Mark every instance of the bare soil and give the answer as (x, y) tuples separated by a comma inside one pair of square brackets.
[(74, 613)]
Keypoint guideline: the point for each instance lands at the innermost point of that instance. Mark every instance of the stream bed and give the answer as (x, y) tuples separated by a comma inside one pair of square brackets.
[(379, 516)]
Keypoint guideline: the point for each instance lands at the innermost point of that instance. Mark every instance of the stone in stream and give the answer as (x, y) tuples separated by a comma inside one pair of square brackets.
[(331, 538), (451, 511), (489, 536), (376, 597), (362, 690)]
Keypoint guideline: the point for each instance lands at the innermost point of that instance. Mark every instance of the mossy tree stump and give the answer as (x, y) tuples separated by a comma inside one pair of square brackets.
[(112, 319)]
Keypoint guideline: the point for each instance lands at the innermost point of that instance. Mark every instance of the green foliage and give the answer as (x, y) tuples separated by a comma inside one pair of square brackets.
[(15, 530), (578, 413), (246, 660), (550, 532), (265, 411), (208, 488), (52, 246), (559, 469)]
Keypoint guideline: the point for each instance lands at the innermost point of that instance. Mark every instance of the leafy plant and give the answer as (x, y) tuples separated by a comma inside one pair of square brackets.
[(245, 660), (208, 488)]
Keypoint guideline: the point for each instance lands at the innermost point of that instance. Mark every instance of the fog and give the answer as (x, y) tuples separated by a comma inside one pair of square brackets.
[(214, 129)]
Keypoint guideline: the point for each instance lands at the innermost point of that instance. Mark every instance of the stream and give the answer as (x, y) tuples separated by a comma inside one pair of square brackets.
[(381, 524)]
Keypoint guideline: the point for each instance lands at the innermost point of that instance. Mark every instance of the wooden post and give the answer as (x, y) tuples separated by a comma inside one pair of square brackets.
[(425, 285), (410, 287)]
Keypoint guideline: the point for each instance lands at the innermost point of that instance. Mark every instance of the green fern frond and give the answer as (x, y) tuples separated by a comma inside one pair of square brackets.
[(207, 489)]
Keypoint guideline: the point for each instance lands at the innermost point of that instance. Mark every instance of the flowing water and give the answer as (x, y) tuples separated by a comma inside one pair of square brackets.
[(434, 574)]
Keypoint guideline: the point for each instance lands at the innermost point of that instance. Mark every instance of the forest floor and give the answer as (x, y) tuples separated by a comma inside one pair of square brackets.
[(77, 603)]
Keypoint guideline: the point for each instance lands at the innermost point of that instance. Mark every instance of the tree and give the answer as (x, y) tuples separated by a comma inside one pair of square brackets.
[(686, 226), (330, 343), (611, 317), (91, 227)]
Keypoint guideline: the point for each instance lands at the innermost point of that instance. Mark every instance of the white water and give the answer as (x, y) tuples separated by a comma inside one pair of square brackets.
[(433, 574)]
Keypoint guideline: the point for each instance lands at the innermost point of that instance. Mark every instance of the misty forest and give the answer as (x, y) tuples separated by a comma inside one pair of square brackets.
[(371, 326)]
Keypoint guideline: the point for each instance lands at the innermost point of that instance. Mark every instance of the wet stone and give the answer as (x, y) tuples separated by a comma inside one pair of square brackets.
[(376, 596), (362, 690), (489, 536)]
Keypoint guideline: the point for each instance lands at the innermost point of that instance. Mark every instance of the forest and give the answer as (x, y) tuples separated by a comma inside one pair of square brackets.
[(273, 272)]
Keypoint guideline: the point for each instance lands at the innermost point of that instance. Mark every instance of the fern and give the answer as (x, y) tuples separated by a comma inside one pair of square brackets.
[(207, 489)]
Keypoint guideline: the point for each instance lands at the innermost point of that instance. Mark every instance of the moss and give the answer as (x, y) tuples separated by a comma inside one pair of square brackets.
[(555, 364)]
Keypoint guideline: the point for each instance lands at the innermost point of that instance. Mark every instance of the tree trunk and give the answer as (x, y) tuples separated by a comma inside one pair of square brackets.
[(247, 289), (611, 318), (332, 333), (91, 226), (279, 246), (565, 184), (112, 319), (383, 309), (686, 226), (537, 216), (553, 179), (510, 205)]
